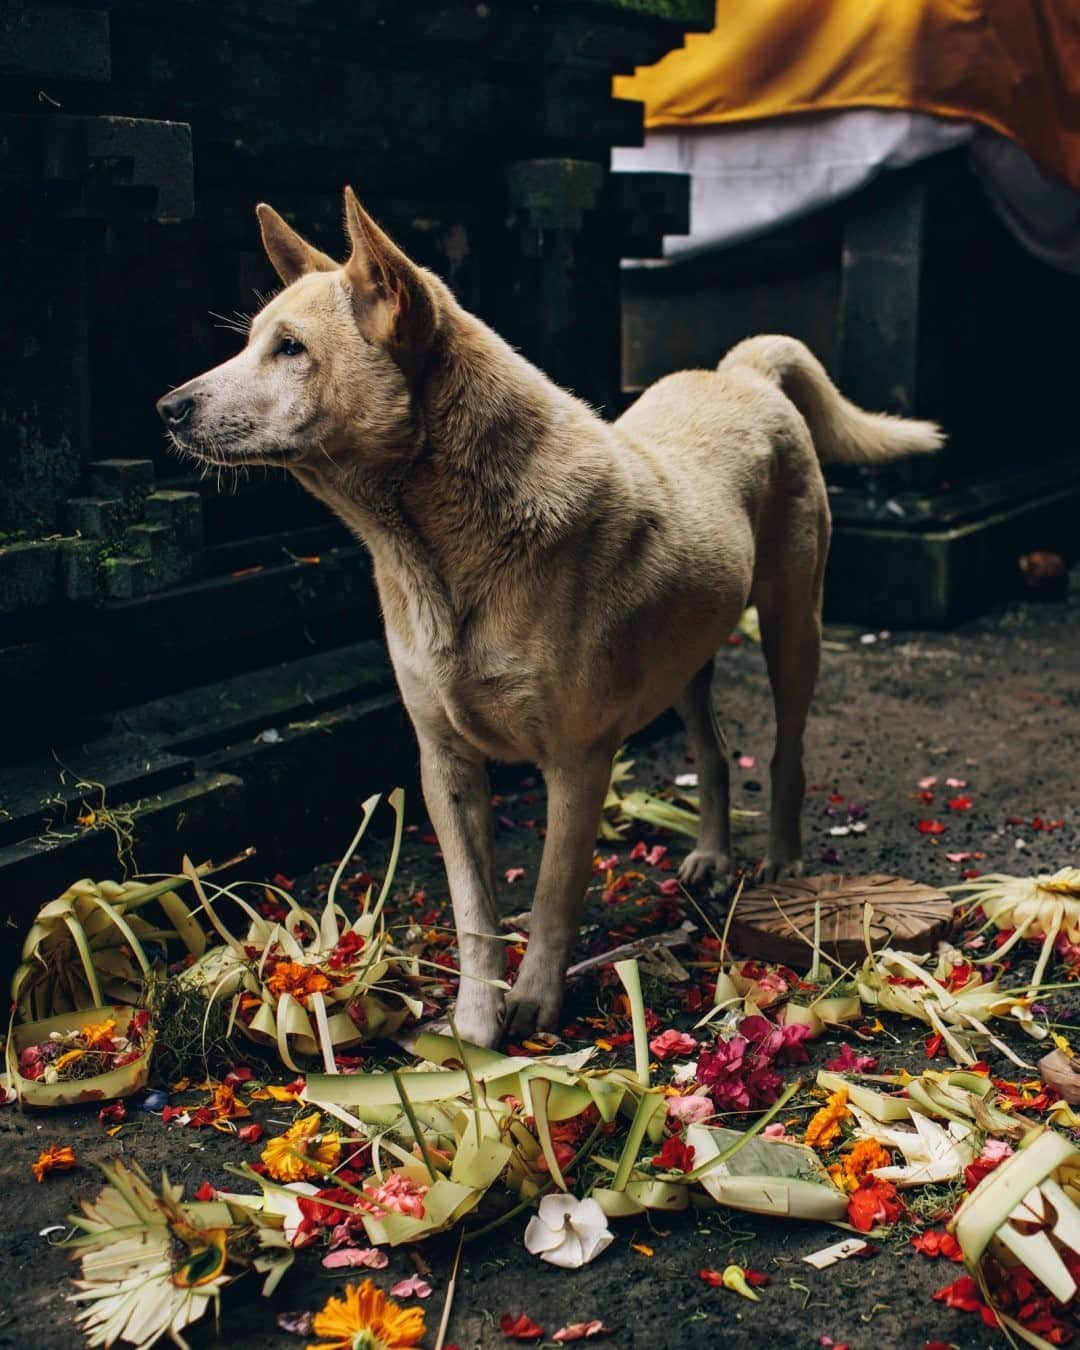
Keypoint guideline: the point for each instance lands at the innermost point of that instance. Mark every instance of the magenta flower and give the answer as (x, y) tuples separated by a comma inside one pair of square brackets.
[(792, 1049), (847, 1061), (721, 1071)]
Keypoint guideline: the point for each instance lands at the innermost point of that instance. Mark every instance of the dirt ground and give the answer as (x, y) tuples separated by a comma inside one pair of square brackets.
[(997, 703)]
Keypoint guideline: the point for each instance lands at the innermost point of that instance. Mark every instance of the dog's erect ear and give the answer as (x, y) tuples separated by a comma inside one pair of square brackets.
[(391, 299), (290, 256)]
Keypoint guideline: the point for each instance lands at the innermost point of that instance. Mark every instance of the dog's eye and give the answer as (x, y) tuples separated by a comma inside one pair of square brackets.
[(290, 347)]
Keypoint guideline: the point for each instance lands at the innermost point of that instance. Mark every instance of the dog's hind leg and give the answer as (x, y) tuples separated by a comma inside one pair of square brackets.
[(711, 857), (458, 799), (789, 607), (576, 793)]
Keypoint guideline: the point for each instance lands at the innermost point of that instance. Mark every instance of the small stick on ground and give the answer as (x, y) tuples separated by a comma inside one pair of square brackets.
[(448, 1302)]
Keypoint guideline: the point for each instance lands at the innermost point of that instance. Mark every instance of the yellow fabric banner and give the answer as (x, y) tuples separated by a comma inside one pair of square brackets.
[(1013, 65)]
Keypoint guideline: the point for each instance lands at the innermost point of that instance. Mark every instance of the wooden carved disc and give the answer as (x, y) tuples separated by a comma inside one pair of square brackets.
[(907, 915)]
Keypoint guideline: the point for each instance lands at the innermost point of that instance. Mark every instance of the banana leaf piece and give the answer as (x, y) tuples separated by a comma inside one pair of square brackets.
[(1025, 1212), (765, 1176)]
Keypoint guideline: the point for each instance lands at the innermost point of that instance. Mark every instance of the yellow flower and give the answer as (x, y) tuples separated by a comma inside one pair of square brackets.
[(68, 1057), (302, 1152), (95, 1032), (365, 1319), (824, 1127)]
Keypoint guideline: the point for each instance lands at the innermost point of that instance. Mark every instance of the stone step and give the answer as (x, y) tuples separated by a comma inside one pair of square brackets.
[(98, 517), (201, 818), (126, 578), (29, 576), (238, 709), (44, 795), (122, 479), (131, 651)]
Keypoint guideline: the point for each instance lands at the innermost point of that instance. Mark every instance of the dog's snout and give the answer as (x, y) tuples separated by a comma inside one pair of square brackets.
[(175, 409)]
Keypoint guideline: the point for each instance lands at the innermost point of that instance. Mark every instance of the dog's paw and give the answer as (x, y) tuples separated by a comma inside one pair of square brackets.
[(532, 1005), (780, 871), (478, 1014), (524, 1016), (706, 867)]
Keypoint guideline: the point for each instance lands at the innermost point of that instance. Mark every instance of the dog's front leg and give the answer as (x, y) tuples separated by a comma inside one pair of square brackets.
[(575, 799), (458, 799)]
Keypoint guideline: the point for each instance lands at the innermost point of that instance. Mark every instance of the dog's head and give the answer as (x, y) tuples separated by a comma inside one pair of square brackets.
[(331, 362)]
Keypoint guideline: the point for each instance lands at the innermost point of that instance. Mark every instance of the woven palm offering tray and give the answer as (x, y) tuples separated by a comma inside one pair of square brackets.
[(776, 922)]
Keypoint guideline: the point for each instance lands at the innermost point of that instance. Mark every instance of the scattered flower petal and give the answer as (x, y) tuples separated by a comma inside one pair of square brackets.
[(55, 1158), (351, 1258), (520, 1328), (413, 1287), (580, 1331)]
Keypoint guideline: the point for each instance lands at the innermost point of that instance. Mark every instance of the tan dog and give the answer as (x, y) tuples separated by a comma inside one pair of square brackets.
[(549, 582)]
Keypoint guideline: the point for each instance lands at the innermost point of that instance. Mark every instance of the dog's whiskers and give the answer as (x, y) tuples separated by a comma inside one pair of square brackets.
[(235, 323)]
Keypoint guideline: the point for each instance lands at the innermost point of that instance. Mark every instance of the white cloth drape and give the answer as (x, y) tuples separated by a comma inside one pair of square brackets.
[(752, 177)]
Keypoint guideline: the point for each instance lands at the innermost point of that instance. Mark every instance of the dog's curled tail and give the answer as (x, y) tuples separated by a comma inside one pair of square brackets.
[(842, 433)]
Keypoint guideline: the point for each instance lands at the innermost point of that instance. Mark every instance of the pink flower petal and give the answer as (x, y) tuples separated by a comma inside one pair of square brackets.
[(689, 1110), (413, 1287), (348, 1257), (580, 1331)]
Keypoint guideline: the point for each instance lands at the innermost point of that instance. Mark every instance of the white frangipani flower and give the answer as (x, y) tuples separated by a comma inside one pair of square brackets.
[(685, 1073), (568, 1232)]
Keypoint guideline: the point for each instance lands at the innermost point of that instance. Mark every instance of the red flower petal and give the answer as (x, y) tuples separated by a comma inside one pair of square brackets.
[(674, 1156), (520, 1328), (934, 1243), (962, 1293), (930, 827)]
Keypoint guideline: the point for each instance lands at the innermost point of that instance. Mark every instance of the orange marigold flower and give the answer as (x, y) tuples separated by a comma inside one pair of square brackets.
[(824, 1127), (94, 1033), (367, 1319), (290, 977), (55, 1158), (302, 1151), (865, 1157), (226, 1105)]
